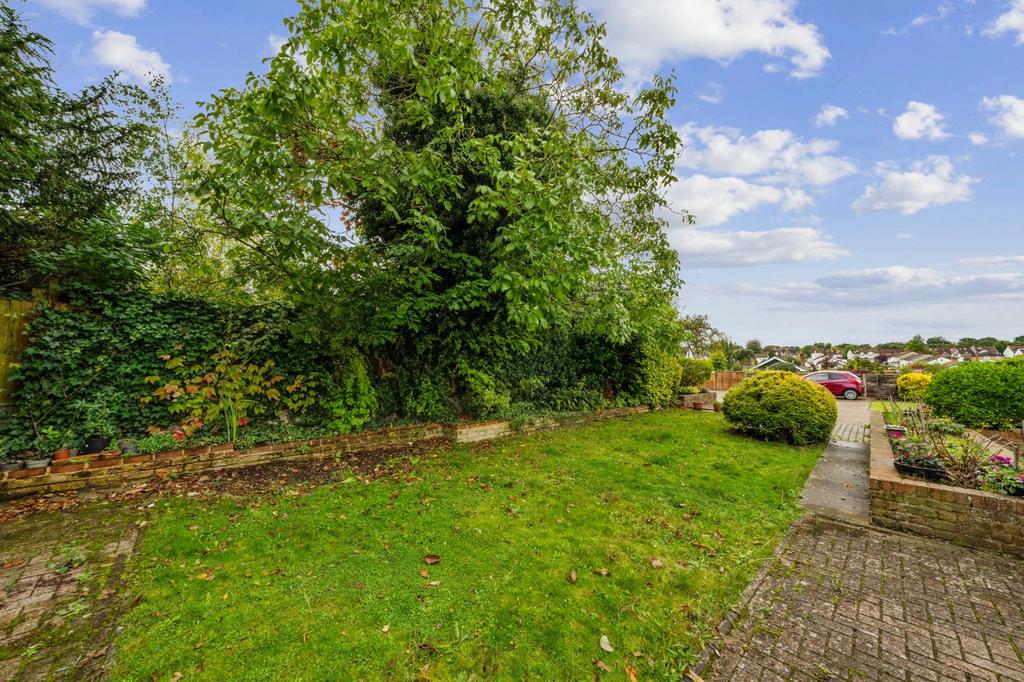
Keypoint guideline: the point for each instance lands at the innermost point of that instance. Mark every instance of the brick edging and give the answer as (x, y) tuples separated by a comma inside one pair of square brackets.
[(973, 518), (92, 472)]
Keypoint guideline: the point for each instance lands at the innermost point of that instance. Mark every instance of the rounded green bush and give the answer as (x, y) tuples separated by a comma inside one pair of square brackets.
[(987, 395), (781, 406)]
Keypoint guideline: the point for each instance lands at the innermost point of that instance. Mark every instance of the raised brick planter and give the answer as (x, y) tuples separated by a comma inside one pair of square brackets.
[(105, 473), (708, 399), (973, 518)]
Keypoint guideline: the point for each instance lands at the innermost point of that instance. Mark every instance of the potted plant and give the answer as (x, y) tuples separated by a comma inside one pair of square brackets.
[(98, 424), (920, 462), (698, 405), (56, 443), (10, 465)]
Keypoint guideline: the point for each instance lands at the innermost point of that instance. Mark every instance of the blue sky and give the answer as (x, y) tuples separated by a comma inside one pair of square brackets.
[(854, 167)]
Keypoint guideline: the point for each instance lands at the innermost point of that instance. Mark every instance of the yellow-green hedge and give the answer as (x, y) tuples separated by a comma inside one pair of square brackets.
[(912, 386)]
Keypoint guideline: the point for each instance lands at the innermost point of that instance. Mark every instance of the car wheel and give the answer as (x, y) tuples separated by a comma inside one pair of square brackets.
[(850, 394)]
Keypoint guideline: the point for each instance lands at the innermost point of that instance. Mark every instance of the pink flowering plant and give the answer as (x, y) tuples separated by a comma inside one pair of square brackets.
[(1001, 476)]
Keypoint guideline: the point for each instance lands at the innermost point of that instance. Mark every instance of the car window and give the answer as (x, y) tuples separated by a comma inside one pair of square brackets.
[(820, 376), (836, 376)]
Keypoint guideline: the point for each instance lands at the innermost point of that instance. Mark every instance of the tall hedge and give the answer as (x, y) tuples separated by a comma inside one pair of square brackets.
[(980, 394), (781, 406)]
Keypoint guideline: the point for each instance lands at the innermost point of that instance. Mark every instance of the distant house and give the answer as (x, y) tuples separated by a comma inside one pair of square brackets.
[(771, 362)]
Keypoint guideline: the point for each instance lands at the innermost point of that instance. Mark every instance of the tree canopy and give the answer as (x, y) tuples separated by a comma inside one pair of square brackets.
[(449, 180)]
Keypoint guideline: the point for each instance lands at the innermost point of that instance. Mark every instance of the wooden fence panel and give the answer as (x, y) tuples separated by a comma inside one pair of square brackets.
[(723, 381), (13, 339)]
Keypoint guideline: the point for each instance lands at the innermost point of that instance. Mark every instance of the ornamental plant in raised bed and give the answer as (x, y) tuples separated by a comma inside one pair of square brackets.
[(939, 449)]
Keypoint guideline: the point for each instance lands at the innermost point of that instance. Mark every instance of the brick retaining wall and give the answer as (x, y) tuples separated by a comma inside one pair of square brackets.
[(93, 472), (973, 518)]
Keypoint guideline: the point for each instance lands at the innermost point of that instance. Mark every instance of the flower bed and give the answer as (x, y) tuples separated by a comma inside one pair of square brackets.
[(974, 518)]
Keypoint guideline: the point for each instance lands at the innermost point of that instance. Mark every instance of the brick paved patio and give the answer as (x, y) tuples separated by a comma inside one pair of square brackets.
[(844, 602)]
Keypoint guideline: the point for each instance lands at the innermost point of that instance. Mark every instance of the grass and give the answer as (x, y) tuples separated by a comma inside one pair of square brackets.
[(333, 584), (883, 405)]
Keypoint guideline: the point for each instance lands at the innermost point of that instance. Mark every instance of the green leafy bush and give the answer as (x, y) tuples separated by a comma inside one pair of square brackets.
[(980, 394), (913, 386), (694, 371), (781, 406), (658, 376)]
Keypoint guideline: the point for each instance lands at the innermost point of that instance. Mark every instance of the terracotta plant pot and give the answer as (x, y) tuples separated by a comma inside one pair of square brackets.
[(63, 453), (698, 406), (718, 407)]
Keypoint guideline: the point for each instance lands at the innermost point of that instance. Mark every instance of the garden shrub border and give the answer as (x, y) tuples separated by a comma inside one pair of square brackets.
[(92, 472), (973, 518)]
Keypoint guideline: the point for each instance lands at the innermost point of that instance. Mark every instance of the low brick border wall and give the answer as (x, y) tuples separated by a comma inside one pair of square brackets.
[(973, 518), (93, 472)]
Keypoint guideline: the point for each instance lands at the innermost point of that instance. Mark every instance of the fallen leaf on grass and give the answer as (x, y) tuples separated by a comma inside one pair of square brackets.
[(631, 673), (602, 571), (605, 644), (656, 563), (432, 559), (602, 665), (424, 573), (385, 628), (205, 576), (572, 577)]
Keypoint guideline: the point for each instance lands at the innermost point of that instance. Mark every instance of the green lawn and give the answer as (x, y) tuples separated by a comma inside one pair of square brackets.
[(883, 405), (333, 584)]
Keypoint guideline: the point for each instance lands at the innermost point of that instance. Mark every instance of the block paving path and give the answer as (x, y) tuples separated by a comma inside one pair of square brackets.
[(60, 594), (846, 602)]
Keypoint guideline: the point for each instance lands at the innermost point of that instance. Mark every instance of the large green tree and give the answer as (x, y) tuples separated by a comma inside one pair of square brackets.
[(70, 164), (446, 181)]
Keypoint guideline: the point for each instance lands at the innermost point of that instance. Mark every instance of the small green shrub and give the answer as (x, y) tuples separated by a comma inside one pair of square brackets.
[(781, 406), (980, 394), (913, 386), (694, 371)]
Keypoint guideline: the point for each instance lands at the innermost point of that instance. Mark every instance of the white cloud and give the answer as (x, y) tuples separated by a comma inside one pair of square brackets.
[(776, 155), (941, 12), (992, 261), (712, 93), (927, 183), (712, 248), (978, 139), (275, 42), (82, 11), (919, 121), (829, 114), (712, 201), (1012, 21), (122, 52), (644, 34), (882, 286), (1009, 113)]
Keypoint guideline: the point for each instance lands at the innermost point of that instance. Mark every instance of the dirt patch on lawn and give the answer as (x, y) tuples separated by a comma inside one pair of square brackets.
[(260, 479)]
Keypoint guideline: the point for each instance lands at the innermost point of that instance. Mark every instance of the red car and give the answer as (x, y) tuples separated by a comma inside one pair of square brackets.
[(842, 384)]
